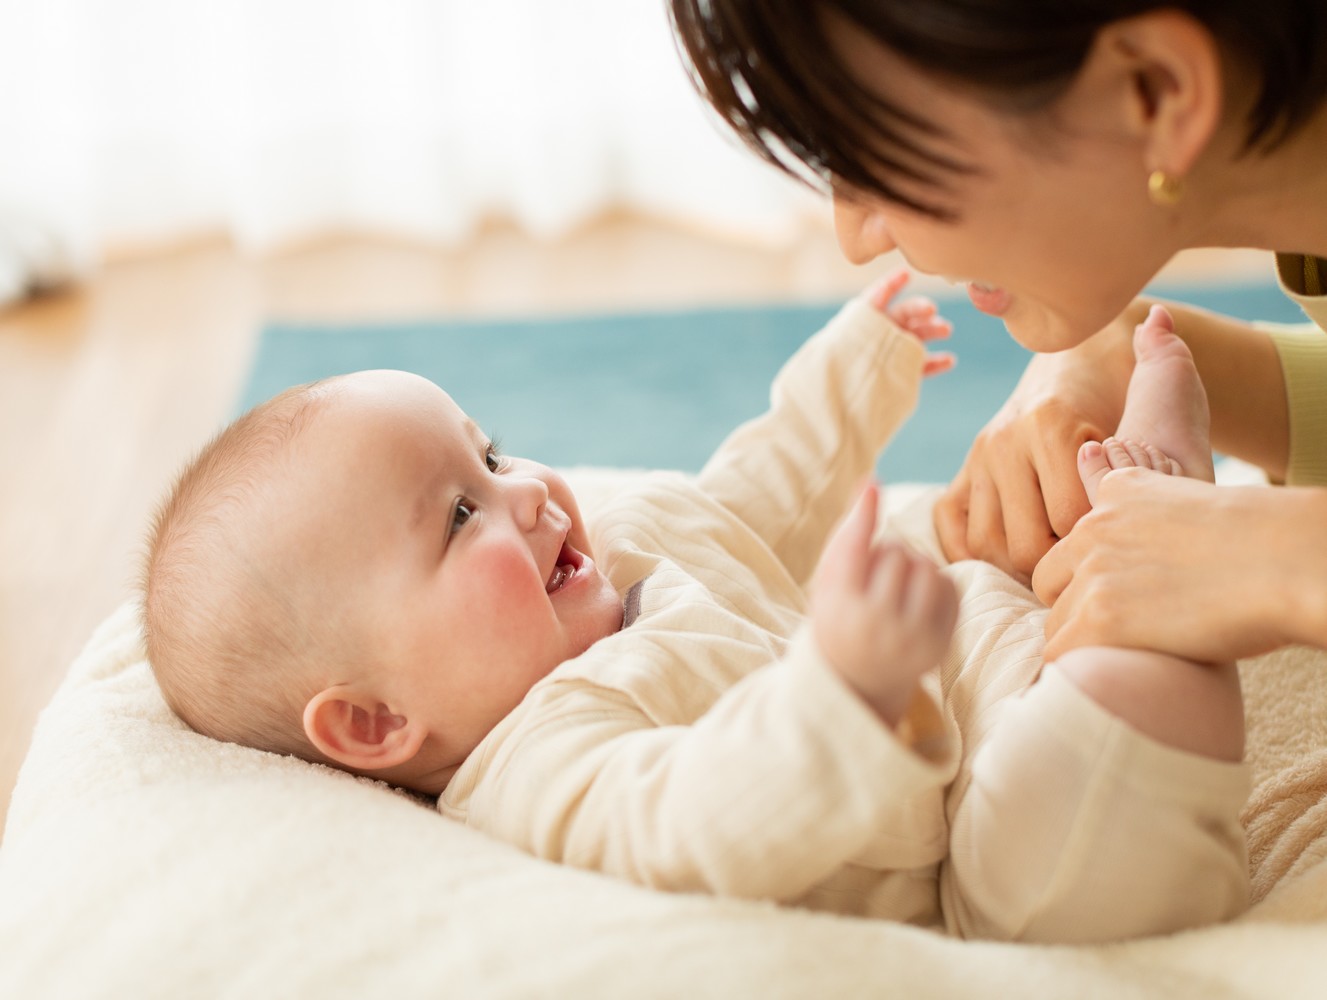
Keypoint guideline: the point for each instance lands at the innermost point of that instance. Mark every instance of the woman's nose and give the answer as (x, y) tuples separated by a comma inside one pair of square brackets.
[(861, 230)]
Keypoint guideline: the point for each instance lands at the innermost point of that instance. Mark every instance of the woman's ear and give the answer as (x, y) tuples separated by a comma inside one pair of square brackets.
[(358, 731), (1174, 65)]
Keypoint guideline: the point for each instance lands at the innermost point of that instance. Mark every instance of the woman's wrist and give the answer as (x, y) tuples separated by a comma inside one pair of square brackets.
[(1305, 605), (1094, 374)]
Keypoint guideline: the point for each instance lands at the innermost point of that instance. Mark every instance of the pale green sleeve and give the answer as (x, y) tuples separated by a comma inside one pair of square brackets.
[(1303, 352)]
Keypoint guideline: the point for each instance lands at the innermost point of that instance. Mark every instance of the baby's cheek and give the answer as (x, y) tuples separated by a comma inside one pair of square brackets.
[(507, 574)]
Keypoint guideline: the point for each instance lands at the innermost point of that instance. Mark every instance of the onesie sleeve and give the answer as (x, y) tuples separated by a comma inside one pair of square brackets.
[(784, 780), (791, 472)]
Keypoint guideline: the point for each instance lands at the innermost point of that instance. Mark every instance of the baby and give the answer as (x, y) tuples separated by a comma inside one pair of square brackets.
[(352, 573)]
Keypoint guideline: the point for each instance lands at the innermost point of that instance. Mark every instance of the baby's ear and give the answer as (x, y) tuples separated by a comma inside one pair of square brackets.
[(358, 731)]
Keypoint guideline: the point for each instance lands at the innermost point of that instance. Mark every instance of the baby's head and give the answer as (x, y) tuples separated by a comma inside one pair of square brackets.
[(351, 573)]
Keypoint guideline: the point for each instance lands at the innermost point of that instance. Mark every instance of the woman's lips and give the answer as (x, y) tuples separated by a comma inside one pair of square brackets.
[(988, 298)]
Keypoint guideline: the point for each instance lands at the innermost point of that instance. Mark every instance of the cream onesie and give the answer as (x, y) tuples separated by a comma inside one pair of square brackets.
[(707, 746)]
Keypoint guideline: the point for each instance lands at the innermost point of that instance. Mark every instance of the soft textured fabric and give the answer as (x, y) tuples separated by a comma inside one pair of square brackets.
[(142, 860), (1303, 352), (708, 747)]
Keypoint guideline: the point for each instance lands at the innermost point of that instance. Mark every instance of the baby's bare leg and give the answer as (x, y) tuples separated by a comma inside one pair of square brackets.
[(1165, 428), (1191, 706)]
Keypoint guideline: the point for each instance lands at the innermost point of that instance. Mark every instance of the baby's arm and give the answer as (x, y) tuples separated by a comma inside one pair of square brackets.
[(881, 614), (791, 472), (788, 776)]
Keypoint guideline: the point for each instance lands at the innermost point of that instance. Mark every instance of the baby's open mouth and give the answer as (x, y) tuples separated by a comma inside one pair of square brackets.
[(568, 561)]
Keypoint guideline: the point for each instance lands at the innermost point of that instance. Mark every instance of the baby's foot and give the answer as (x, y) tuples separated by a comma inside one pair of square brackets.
[(1095, 459), (1167, 404)]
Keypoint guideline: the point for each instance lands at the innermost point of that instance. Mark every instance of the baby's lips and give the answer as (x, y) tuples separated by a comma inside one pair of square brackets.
[(569, 559)]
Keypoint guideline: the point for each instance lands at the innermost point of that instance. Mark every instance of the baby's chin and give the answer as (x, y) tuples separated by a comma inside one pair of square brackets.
[(610, 618), (615, 620)]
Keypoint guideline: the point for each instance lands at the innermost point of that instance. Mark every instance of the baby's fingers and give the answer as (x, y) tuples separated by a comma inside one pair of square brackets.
[(934, 328), (915, 310), (847, 556), (883, 291), (938, 363), (889, 578)]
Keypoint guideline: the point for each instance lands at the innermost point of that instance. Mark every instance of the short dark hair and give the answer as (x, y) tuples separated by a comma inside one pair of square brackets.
[(769, 70)]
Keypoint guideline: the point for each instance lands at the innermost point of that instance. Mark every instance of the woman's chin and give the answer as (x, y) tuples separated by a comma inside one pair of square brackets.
[(1043, 331)]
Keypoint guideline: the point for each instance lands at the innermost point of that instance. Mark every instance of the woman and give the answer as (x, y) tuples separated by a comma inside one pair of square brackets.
[(1055, 155)]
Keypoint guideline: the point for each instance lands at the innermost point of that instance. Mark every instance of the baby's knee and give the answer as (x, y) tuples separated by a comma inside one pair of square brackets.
[(1190, 706)]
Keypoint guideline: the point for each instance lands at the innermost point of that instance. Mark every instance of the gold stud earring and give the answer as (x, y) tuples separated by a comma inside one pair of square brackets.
[(1164, 189)]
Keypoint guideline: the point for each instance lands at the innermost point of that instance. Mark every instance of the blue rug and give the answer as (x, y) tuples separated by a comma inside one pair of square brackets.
[(660, 390)]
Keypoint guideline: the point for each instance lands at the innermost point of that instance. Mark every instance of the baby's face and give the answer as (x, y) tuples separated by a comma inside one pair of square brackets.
[(472, 570)]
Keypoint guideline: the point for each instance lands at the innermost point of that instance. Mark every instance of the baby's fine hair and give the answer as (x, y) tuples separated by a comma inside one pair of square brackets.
[(228, 638)]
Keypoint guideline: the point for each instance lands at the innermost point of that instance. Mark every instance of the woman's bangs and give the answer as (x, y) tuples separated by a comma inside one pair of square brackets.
[(797, 108)]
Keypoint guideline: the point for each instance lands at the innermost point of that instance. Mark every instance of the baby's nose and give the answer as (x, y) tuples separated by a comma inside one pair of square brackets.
[(531, 497)]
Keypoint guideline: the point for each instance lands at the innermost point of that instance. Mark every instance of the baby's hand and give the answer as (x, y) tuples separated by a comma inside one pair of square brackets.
[(881, 614), (916, 315)]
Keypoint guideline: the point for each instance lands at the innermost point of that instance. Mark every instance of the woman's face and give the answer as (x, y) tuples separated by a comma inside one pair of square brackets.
[(1055, 233)]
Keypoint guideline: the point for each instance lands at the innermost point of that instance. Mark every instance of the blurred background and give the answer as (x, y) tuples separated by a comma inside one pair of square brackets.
[(177, 176)]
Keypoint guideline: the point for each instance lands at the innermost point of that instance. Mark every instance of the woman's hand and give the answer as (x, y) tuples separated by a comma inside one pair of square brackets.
[(1018, 491), (1208, 573)]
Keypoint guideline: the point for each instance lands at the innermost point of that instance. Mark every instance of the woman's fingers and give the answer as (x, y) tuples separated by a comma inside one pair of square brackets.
[(1027, 528), (950, 518), (985, 519)]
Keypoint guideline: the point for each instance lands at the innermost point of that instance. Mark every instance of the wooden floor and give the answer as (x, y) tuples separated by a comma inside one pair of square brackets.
[(106, 390)]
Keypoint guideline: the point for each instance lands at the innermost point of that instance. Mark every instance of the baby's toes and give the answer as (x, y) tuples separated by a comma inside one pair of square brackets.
[(1159, 461), (1124, 454), (1092, 468)]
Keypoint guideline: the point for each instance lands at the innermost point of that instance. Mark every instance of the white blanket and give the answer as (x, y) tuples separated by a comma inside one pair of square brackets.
[(143, 860)]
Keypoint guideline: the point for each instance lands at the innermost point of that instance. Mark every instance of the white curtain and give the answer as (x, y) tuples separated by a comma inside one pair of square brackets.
[(143, 120)]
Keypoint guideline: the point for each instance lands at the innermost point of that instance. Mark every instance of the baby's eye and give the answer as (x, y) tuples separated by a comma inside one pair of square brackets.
[(493, 458), (461, 514)]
